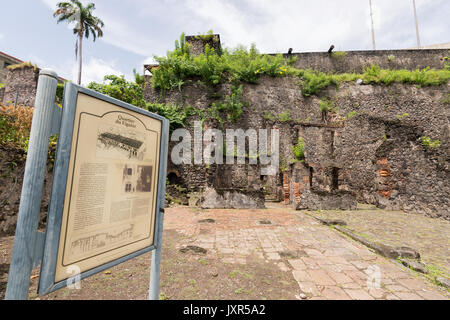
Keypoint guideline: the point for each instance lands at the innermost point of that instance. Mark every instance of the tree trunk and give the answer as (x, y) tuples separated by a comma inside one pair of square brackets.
[(80, 58)]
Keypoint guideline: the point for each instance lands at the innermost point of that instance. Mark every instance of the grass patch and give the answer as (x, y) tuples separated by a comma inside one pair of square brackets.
[(430, 143), (284, 116)]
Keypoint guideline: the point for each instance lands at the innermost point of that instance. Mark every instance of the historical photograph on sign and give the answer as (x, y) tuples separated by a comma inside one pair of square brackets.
[(112, 142), (111, 188), (137, 178)]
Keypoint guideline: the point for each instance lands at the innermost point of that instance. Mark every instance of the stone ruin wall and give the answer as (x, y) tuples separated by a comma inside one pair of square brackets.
[(21, 83), (374, 156)]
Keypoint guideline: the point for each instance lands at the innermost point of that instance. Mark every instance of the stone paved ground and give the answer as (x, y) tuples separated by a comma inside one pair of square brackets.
[(429, 236), (325, 264)]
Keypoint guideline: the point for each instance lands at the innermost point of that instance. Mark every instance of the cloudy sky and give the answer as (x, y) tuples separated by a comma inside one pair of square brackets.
[(136, 30)]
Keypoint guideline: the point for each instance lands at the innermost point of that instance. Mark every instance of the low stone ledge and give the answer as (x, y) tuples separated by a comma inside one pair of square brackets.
[(443, 282), (233, 199), (323, 200), (384, 250), (415, 265)]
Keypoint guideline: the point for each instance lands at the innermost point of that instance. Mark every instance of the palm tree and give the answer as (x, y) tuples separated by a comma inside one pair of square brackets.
[(86, 24)]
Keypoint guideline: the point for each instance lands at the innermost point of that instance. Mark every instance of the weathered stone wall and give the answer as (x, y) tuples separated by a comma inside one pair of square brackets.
[(385, 131), (356, 61), (21, 83), (2, 93)]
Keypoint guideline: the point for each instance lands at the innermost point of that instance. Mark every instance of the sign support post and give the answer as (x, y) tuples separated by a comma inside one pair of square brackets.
[(26, 236), (155, 267)]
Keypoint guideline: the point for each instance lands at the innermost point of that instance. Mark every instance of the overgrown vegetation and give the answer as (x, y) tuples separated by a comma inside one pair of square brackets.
[(212, 68), (121, 89), (284, 116), (326, 105), (339, 55), (15, 126), (247, 66), (299, 149), (131, 92), (59, 93), (23, 66), (232, 106), (206, 36), (430, 143), (350, 115)]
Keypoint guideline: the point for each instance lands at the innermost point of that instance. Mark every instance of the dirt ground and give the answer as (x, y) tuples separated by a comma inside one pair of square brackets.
[(274, 253)]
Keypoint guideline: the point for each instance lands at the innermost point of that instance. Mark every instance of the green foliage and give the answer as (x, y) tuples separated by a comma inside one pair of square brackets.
[(23, 65), (424, 77), (138, 78), (15, 126), (401, 116), (313, 81), (350, 115), (339, 55), (131, 92), (445, 100), (59, 93), (326, 105), (176, 114), (428, 142), (121, 89), (391, 58), (2, 85), (232, 106), (10, 135), (206, 37), (284, 116), (299, 149), (244, 65), (239, 64), (447, 62), (269, 116)]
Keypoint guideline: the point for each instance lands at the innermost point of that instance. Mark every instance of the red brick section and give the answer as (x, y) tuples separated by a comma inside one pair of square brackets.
[(298, 190), (384, 177), (286, 189)]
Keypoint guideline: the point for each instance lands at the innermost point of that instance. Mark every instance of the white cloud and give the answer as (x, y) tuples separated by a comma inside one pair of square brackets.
[(94, 70), (149, 27)]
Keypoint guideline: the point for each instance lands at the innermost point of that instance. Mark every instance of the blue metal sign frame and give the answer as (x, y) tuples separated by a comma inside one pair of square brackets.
[(47, 282)]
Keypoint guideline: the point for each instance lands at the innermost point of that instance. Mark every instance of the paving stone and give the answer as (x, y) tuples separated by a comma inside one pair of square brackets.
[(310, 263), (377, 293), (320, 277), (339, 277), (309, 288), (429, 295), (335, 293), (273, 256), (396, 288), (282, 266), (412, 284), (358, 294), (408, 296), (351, 285), (301, 276), (297, 264), (328, 265)]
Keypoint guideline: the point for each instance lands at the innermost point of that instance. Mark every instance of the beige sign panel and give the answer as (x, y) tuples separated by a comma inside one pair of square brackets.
[(109, 207)]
